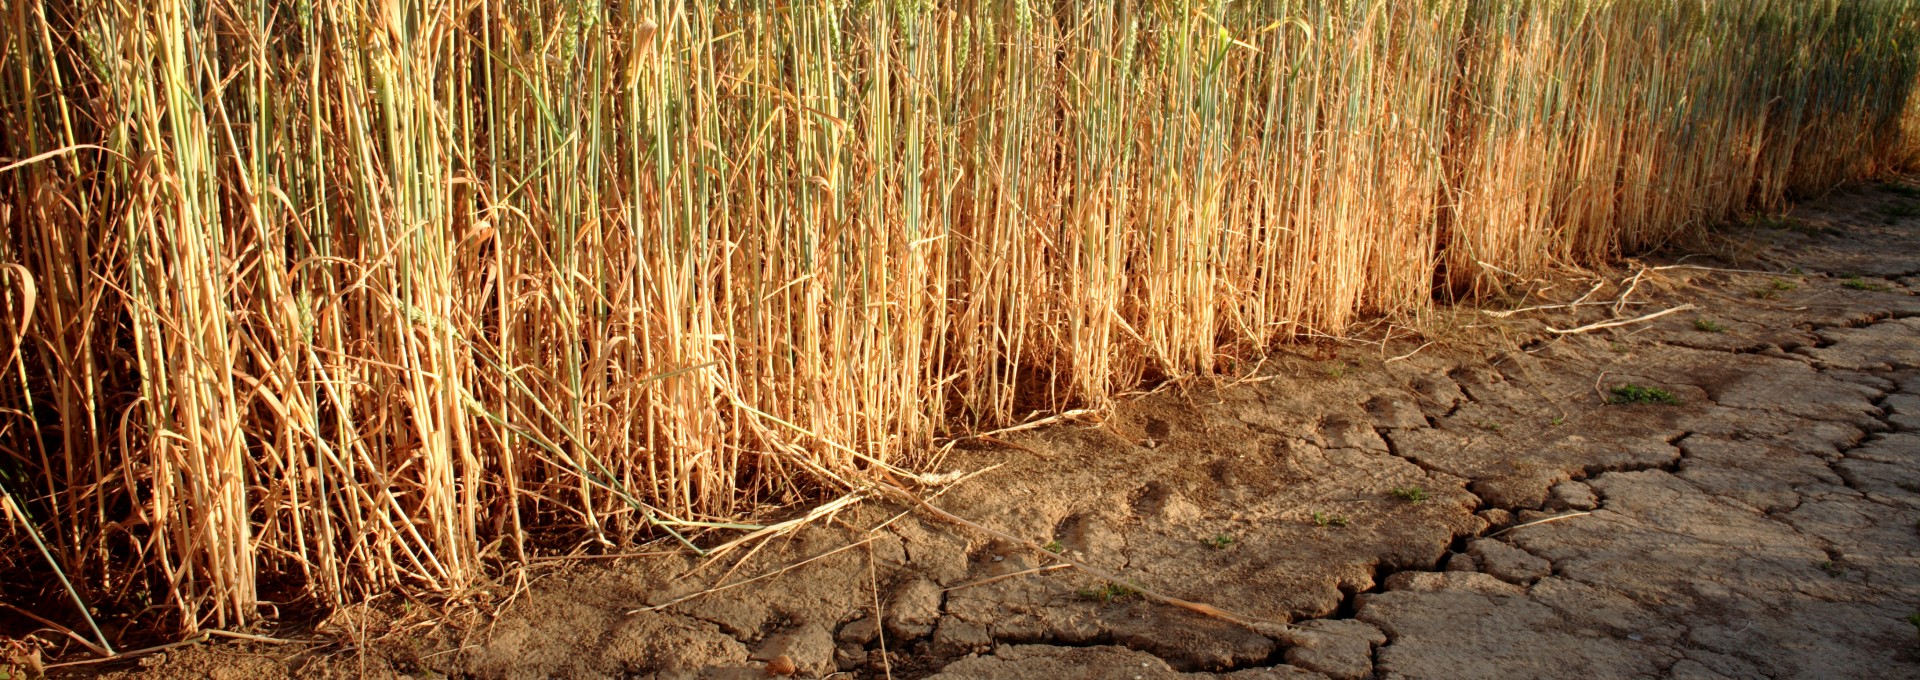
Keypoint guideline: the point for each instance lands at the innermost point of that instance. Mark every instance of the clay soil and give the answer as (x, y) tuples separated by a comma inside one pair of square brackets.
[(1365, 509)]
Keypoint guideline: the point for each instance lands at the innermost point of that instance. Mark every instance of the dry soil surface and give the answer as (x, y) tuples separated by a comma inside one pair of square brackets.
[(1366, 513)]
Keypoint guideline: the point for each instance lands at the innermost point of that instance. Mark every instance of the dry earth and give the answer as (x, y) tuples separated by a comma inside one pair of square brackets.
[(1764, 526)]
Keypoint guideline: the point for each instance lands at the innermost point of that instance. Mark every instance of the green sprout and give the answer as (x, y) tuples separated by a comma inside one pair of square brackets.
[(1636, 394)]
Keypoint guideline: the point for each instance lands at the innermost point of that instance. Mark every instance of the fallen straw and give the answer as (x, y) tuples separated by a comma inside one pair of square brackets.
[(197, 639), (1621, 322), (1003, 577), (1554, 518), (767, 575)]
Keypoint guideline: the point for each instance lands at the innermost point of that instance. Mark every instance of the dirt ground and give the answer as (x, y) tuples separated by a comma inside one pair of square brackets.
[(1366, 509)]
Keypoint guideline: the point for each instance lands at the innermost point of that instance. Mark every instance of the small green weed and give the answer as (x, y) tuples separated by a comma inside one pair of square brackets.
[(1708, 326), (1410, 494), (1899, 189), (1220, 541), (1637, 394), (1109, 592), (1858, 283), (1327, 520), (1771, 222), (1054, 547), (1558, 421), (1774, 288), (1895, 211), (1786, 223), (1834, 569)]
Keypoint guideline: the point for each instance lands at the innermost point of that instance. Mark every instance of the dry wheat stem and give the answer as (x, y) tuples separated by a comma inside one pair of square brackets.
[(1621, 322)]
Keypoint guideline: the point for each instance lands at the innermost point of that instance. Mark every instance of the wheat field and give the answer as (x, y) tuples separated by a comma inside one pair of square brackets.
[(307, 300)]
